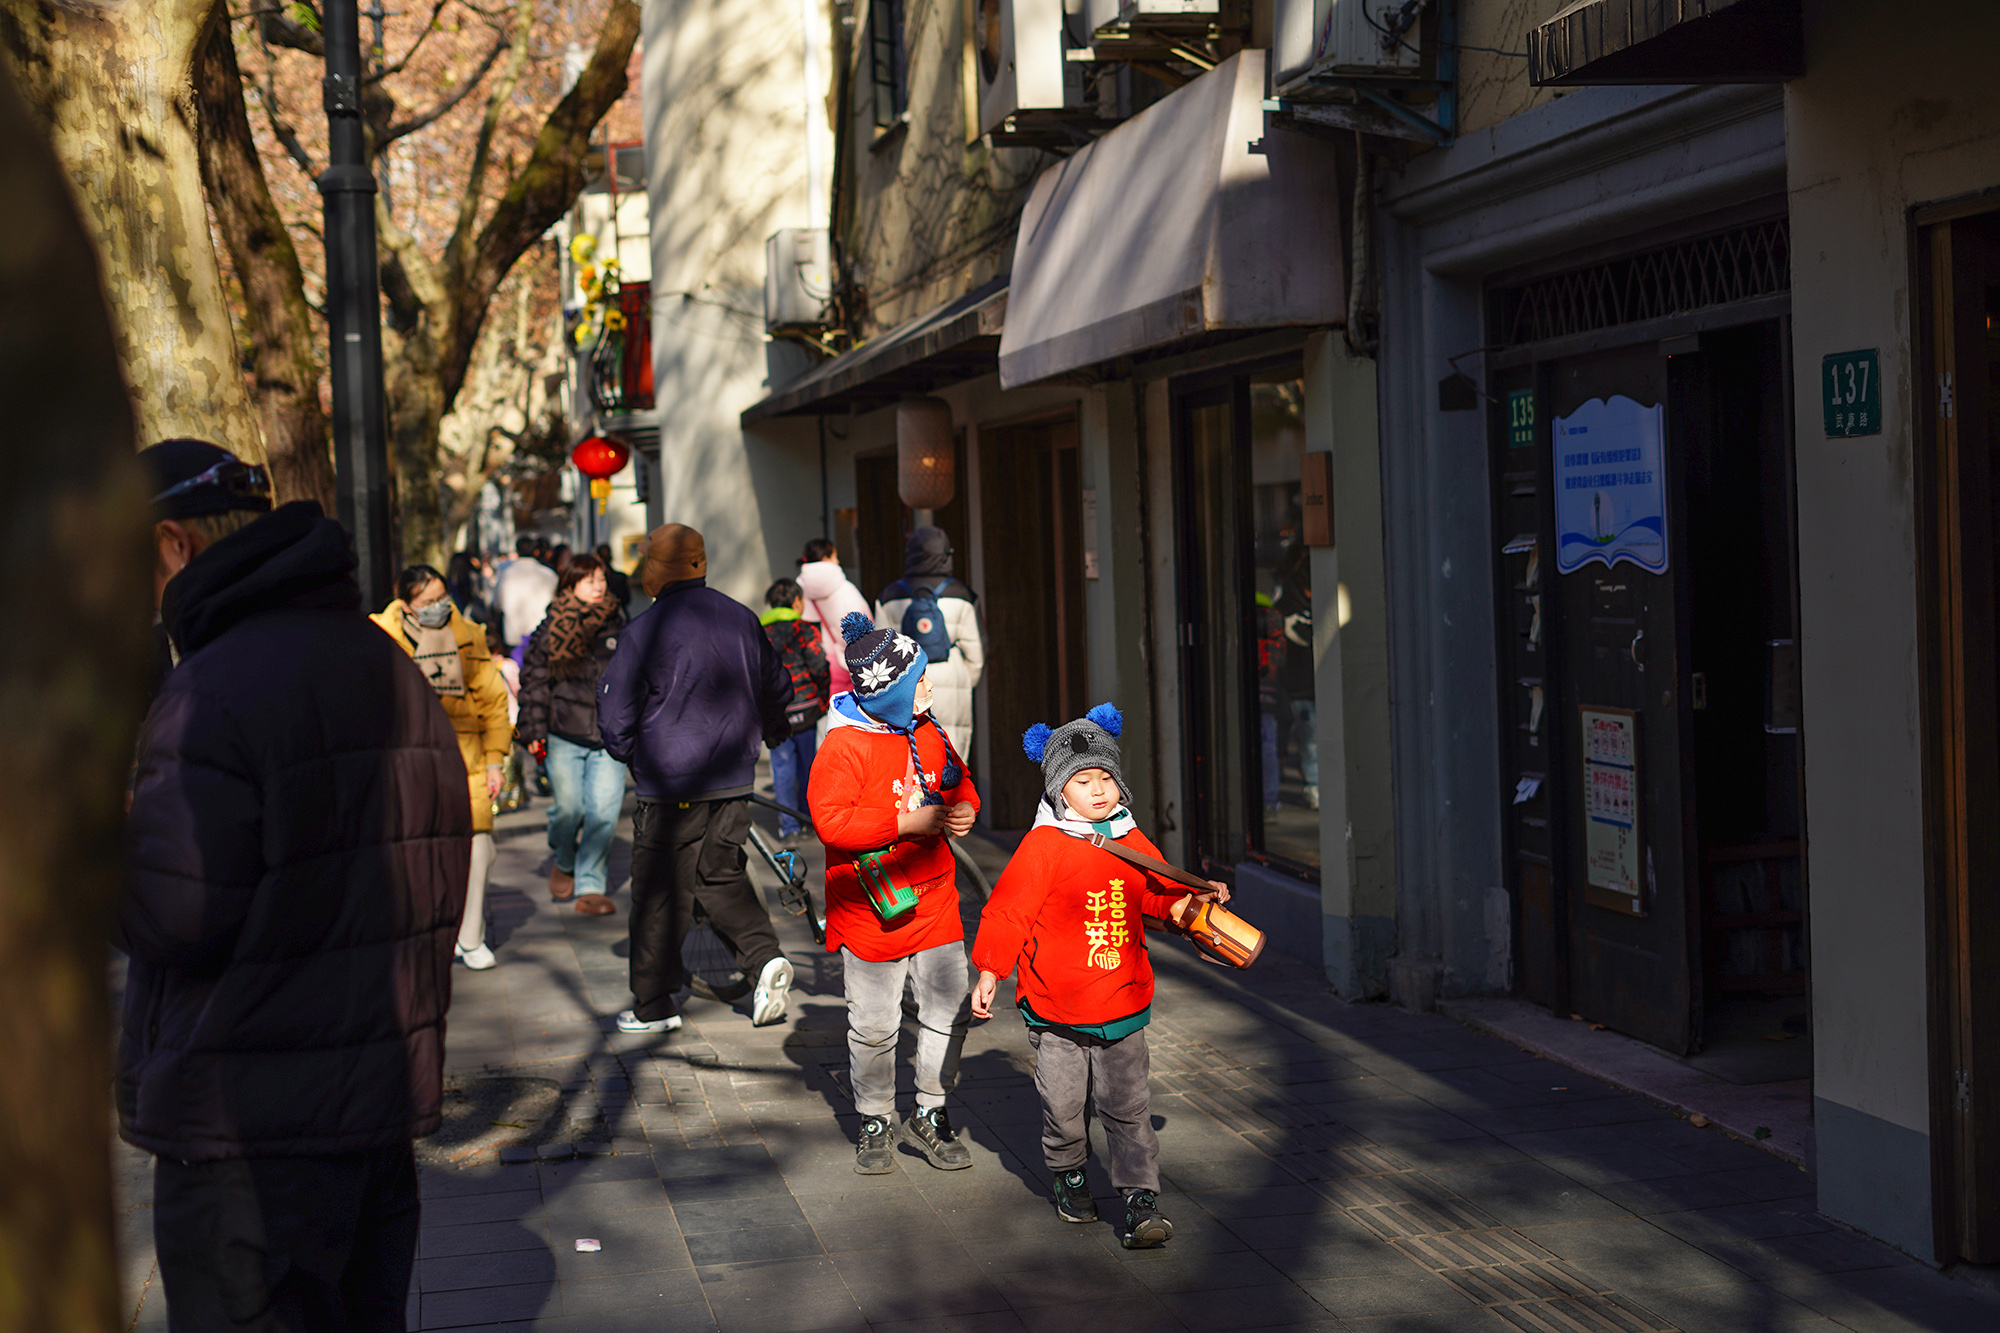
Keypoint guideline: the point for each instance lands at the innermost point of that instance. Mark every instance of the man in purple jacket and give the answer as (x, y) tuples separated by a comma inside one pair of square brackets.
[(692, 692)]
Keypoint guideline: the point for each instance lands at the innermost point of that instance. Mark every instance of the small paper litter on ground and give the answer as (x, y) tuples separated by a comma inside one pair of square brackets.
[(587, 1245)]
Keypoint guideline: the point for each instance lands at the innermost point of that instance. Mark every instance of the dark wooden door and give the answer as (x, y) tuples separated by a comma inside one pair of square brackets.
[(1618, 734), (1960, 404), (1031, 499)]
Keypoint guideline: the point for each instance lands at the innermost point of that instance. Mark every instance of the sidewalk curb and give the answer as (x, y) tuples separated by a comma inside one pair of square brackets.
[(1624, 1062)]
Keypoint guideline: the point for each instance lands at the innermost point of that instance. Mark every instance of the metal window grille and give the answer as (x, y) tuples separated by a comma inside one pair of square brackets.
[(1727, 266), (888, 65)]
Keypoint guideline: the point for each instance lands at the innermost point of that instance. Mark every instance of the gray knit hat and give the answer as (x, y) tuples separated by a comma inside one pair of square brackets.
[(1089, 742)]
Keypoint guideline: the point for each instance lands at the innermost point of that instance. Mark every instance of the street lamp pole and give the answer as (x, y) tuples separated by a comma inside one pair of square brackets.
[(353, 309)]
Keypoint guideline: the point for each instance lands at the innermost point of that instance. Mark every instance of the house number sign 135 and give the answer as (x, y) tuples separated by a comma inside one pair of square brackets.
[(1851, 389)]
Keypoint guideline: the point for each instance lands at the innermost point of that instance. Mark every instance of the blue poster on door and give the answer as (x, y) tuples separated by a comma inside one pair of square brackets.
[(1611, 487)]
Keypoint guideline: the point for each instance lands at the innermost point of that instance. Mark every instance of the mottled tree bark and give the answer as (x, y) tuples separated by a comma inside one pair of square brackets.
[(284, 334), (72, 540), (109, 86), (437, 308)]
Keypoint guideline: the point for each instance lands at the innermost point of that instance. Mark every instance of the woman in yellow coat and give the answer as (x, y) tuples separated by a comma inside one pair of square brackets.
[(451, 650)]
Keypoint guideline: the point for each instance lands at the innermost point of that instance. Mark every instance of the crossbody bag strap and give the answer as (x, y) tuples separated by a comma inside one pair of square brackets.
[(1145, 862)]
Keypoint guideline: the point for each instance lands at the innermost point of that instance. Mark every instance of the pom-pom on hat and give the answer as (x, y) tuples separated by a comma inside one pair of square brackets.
[(1089, 742), (886, 667)]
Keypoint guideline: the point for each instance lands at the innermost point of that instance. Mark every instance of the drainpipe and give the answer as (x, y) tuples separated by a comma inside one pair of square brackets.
[(1361, 333)]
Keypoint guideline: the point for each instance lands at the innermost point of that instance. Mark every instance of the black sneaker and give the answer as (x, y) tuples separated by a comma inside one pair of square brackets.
[(874, 1149), (929, 1131), (1145, 1229), (1072, 1197)]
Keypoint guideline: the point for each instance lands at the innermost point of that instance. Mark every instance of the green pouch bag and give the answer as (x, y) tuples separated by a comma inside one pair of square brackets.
[(889, 899)]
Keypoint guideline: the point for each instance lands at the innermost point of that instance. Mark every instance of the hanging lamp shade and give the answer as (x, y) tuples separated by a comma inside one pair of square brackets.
[(926, 453)]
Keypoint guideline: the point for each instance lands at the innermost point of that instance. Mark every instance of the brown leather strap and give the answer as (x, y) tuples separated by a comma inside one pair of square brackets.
[(1145, 862)]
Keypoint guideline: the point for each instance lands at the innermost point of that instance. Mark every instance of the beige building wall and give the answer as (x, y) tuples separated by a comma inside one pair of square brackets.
[(1896, 109), (727, 102)]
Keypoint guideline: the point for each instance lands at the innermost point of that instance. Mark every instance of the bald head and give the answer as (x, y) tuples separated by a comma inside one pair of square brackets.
[(674, 554)]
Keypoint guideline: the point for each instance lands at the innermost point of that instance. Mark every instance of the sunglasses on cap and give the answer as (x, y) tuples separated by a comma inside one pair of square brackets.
[(237, 479)]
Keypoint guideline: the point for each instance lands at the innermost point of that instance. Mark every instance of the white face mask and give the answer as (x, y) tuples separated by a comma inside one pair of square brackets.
[(435, 616)]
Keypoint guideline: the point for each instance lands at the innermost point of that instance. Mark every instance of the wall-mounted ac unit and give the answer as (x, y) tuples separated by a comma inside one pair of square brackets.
[(1124, 16), (1353, 37), (798, 280), (1021, 62)]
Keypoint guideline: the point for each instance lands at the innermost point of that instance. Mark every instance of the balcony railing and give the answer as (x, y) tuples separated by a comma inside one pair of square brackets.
[(621, 365)]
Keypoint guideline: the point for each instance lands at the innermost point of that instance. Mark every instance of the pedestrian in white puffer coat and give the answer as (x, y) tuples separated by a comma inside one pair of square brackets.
[(927, 563), (829, 595)]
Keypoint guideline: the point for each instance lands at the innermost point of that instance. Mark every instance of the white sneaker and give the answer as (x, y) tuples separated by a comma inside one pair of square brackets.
[(1312, 798), (478, 958), (774, 989), (631, 1022)]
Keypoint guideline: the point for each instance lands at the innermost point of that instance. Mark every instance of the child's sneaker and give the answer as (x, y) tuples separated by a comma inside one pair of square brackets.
[(929, 1131), (1145, 1229), (874, 1149), (1072, 1197)]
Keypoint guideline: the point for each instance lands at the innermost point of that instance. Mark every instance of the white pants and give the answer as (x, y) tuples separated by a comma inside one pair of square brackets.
[(472, 928)]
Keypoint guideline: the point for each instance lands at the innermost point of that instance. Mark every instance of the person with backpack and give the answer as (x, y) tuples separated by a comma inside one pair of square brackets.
[(938, 612), (798, 645)]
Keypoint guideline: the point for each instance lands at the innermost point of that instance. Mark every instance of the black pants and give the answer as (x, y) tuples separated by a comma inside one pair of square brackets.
[(683, 855), (288, 1244)]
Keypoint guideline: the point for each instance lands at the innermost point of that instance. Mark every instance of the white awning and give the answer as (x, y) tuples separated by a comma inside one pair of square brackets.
[(1188, 219)]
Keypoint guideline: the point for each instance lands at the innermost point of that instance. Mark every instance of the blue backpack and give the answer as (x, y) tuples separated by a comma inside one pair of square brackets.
[(923, 621)]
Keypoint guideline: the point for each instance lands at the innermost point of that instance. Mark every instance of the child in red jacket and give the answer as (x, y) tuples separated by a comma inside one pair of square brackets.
[(888, 786), (1070, 915)]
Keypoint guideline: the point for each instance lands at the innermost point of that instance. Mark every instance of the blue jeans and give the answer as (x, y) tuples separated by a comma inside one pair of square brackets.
[(791, 768), (588, 787), (1270, 756), (1305, 730)]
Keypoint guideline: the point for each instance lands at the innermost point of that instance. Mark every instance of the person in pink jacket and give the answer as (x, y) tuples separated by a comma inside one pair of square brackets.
[(829, 596)]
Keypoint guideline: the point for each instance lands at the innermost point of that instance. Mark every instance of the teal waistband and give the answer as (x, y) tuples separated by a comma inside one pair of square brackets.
[(1112, 1031)]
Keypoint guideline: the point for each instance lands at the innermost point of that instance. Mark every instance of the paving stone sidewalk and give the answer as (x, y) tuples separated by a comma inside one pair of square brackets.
[(1326, 1166)]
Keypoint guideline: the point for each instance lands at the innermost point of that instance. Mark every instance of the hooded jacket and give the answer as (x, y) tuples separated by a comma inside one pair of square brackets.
[(480, 716), (692, 691), (928, 562), (830, 595), (298, 845), (797, 642), (862, 779)]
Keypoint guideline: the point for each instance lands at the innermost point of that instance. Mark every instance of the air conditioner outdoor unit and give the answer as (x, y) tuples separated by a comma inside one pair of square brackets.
[(1021, 62), (1354, 37), (798, 280), (1135, 15)]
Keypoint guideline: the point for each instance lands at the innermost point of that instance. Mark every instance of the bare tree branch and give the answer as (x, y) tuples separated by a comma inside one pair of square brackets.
[(280, 127), (279, 30), (451, 99), (430, 26), (456, 251)]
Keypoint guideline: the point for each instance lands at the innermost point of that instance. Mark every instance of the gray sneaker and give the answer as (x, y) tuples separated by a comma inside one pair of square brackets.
[(930, 1133), (874, 1149)]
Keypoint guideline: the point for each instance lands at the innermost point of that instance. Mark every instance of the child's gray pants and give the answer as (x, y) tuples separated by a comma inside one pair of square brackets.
[(875, 1018), (1070, 1073)]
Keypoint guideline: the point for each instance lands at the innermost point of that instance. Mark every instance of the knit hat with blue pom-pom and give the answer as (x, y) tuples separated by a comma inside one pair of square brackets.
[(886, 667), (1089, 742)]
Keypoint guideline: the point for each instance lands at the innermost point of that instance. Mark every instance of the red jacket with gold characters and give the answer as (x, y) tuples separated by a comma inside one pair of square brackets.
[(1070, 916), (862, 778)]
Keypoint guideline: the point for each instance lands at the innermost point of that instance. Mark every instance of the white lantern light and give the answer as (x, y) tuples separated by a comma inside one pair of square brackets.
[(926, 453)]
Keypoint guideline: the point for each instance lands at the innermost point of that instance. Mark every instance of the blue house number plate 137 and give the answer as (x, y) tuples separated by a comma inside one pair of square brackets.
[(1851, 389)]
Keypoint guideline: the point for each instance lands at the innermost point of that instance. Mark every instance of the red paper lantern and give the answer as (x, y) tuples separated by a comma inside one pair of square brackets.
[(600, 458)]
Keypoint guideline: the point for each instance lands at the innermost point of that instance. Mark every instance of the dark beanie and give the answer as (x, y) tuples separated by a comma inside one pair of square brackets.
[(1089, 742), (171, 462), (928, 552)]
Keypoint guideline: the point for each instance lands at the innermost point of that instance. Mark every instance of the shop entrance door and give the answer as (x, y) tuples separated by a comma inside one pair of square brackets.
[(1958, 398), (1031, 507), (1650, 688)]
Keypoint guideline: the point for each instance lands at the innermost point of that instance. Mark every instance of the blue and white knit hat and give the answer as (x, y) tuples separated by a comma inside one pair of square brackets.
[(886, 667)]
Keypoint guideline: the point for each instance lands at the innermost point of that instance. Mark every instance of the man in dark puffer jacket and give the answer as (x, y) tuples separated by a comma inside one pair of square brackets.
[(298, 843)]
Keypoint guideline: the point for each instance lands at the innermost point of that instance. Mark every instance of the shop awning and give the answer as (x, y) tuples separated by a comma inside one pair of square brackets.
[(1668, 41), (1188, 219), (957, 341)]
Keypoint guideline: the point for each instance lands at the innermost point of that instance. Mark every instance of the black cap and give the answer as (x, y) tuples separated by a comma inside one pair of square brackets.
[(224, 482)]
